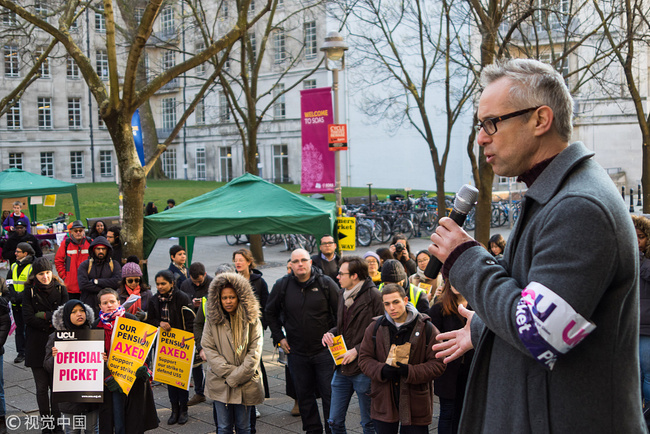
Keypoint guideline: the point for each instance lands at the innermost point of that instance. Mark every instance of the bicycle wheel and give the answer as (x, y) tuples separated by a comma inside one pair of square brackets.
[(364, 235), (404, 226), (498, 217), (233, 240), (470, 222), (381, 231), (429, 223)]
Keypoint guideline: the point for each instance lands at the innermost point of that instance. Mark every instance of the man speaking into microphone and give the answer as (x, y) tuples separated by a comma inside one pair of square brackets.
[(556, 327)]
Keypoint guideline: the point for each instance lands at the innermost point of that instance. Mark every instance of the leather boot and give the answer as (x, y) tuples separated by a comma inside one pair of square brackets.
[(182, 416), (174, 417)]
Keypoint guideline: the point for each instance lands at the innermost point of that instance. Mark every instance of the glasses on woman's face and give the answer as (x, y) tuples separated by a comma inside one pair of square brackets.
[(133, 280)]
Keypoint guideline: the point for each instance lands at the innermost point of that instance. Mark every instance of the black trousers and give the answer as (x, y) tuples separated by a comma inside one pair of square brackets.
[(46, 404)]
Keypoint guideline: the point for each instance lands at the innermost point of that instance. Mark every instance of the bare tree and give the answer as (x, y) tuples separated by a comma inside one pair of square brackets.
[(120, 97), (626, 27), (408, 49)]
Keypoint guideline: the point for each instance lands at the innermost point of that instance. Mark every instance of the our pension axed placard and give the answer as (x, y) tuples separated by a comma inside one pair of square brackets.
[(174, 357), (130, 345), (79, 366)]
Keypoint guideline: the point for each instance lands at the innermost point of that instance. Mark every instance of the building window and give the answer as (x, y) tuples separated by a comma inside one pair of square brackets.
[(200, 164), (45, 65), (100, 19), (167, 21), (253, 53), (16, 160), (12, 67), (40, 9), (309, 84), (76, 164), (224, 112), (13, 117), (169, 113), (47, 164), (311, 50), (251, 8), (279, 107), (279, 46), (74, 113), (200, 69), (199, 112), (9, 18), (225, 163), (72, 69), (100, 121), (168, 60), (44, 113), (101, 58), (168, 159), (224, 8), (552, 14), (74, 27), (106, 163), (139, 13), (280, 164)]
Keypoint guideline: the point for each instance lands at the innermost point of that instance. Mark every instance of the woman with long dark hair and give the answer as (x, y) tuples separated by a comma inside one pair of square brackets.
[(450, 386), (43, 294)]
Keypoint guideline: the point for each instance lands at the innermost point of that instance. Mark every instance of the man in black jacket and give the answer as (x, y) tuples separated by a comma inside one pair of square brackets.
[(305, 303), (97, 272), (327, 261), (20, 235)]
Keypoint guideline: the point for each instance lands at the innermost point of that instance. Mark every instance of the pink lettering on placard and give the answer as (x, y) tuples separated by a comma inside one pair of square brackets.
[(577, 337), (528, 295)]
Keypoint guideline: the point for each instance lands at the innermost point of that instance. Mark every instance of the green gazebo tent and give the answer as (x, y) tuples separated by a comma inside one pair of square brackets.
[(246, 205), (18, 183)]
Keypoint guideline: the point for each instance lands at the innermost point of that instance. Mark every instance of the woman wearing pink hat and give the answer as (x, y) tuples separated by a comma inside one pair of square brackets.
[(132, 284)]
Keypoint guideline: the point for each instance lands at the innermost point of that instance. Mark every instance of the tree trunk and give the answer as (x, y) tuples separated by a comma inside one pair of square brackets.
[(251, 167), (132, 182)]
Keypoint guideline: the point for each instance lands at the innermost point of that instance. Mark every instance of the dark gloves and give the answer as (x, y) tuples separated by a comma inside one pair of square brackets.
[(111, 384), (403, 369), (142, 373), (141, 315), (390, 372)]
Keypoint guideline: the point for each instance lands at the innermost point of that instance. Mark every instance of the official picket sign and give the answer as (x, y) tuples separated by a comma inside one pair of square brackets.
[(130, 346), (79, 366), (174, 357), (347, 233)]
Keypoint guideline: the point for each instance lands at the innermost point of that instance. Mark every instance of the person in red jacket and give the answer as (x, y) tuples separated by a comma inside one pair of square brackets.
[(70, 255)]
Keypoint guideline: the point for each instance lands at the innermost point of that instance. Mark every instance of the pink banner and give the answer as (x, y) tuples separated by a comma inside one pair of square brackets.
[(318, 167)]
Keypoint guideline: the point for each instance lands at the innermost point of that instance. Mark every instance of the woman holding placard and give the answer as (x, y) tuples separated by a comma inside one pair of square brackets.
[(232, 342)]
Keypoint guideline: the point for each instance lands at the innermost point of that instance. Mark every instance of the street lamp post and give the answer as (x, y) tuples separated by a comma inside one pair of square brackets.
[(334, 48)]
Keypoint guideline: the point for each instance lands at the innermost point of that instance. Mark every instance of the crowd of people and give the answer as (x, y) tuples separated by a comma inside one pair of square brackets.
[(543, 334)]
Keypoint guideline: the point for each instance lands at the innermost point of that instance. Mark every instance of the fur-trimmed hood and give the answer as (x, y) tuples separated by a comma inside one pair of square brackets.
[(642, 223), (57, 316), (247, 299)]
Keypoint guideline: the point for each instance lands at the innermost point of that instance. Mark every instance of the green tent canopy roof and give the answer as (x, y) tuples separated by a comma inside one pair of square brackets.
[(246, 205), (18, 183)]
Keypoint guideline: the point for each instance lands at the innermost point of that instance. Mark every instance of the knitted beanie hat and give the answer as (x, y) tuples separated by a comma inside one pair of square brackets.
[(25, 247), (131, 269), (392, 271), (40, 265), (373, 254)]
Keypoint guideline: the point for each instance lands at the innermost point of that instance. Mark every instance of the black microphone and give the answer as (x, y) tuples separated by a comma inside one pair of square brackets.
[(465, 200)]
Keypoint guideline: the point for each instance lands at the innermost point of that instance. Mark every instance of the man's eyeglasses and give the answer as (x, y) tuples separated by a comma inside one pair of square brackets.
[(18, 251), (133, 280), (343, 274), (303, 260), (489, 125), (327, 243)]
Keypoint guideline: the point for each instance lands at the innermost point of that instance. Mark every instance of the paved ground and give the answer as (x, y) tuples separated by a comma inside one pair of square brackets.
[(275, 412)]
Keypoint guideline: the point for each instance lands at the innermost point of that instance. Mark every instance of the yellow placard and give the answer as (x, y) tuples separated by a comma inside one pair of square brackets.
[(130, 345), (337, 349), (50, 200), (174, 357), (347, 233)]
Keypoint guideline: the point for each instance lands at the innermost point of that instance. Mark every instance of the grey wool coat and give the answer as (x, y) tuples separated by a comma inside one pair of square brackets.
[(576, 238), (233, 377)]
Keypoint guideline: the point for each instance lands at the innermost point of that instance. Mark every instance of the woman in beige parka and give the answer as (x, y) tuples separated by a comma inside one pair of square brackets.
[(232, 342)]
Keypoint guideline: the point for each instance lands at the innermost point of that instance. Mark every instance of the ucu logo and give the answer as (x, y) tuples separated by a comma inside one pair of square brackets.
[(534, 301), (65, 335)]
